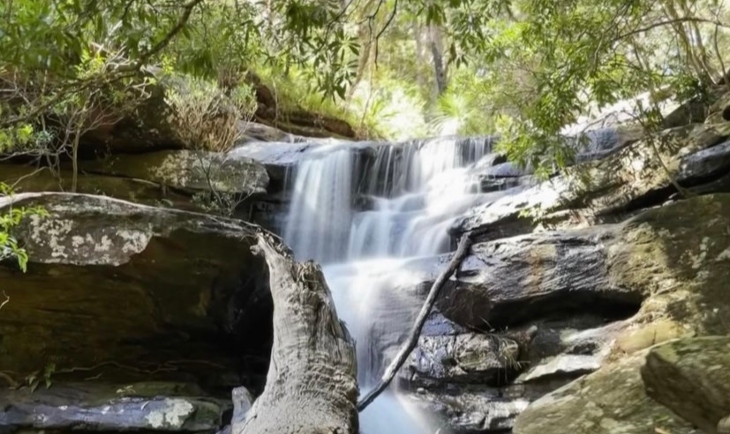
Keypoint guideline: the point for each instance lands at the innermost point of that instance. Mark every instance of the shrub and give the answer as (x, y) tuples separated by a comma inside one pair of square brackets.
[(204, 116)]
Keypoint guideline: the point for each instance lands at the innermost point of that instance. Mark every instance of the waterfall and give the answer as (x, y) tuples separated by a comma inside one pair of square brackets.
[(412, 191), (320, 211)]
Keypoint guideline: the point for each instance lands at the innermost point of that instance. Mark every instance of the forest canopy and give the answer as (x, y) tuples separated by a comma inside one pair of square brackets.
[(393, 68)]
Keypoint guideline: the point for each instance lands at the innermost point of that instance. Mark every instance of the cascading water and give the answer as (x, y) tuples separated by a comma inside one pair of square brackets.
[(412, 192), (320, 212)]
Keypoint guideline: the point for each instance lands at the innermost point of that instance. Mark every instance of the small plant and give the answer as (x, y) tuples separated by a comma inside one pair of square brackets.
[(34, 379), (10, 247)]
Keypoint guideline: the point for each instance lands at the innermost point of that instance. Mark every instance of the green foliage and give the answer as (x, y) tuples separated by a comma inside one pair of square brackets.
[(34, 379), (9, 245), (392, 68)]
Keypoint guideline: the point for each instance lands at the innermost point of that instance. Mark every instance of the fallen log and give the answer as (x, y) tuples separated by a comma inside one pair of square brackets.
[(311, 385), (461, 252)]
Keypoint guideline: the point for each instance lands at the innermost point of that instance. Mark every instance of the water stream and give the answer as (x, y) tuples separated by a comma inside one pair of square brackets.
[(362, 211)]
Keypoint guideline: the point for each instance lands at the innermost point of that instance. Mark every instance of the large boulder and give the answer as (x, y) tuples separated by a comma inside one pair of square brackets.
[(673, 255), (691, 377), (109, 280), (462, 358), (514, 280), (609, 401)]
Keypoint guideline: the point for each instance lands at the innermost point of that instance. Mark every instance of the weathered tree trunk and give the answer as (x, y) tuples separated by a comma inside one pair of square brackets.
[(311, 386)]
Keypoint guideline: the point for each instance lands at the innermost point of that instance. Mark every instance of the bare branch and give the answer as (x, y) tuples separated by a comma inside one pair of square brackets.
[(6, 301), (669, 23), (164, 42), (461, 252)]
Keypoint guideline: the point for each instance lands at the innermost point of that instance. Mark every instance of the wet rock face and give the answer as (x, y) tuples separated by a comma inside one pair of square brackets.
[(511, 368), (467, 358), (705, 164), (471, 410), (516, 280), (110, 280)]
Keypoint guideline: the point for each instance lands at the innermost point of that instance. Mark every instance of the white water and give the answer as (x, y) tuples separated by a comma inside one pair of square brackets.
[(415, 190)]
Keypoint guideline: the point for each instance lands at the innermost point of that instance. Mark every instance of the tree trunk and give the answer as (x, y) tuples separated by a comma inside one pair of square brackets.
[(436, 42), (311, 386)]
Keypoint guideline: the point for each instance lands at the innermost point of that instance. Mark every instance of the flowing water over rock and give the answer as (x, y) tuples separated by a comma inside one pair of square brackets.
[(362, 215)]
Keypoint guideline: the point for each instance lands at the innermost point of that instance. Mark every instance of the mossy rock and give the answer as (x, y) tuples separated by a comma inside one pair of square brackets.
[(692, 377), (609, 401), (190, 171), (678, 256), (127, 291)]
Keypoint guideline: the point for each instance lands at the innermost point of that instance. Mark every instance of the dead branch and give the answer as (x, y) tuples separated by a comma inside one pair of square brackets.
[(461, 252)]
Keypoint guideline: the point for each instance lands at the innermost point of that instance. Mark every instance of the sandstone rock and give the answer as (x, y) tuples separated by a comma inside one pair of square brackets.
[(255, 132), (642, 336), (609, 401), (691, 377), (108, 280), (595, 295), (188, 171), (27, 179), (666, 261), (706, 163), (108, 407), (672, 254), (615, 184), (515, 280), (718, 111), (676, 254)]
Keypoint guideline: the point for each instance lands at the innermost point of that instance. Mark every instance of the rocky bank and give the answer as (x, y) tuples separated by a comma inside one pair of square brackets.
[(142, 307)]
